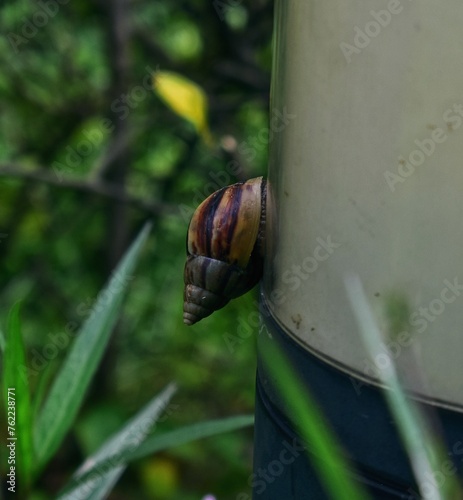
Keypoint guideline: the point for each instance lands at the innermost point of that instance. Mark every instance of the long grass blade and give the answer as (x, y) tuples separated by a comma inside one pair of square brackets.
[(424, 449), (190, 433), (17, 399), (2, 341), (156, 443), (71, 382), (326, 454), (103, 477)]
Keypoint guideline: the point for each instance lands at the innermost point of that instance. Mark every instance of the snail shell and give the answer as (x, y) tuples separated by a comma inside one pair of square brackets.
[(224, 248)]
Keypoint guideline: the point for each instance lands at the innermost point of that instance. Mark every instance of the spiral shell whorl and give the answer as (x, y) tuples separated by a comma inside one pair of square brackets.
[(200, 303), (209, 285), (224, 246)]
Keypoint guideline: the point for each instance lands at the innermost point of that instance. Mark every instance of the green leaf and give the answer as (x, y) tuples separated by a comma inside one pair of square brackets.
[(73, 379), (157, 443), (326, 454), (2, 342), (41, 387), (102, 478), (190, 433), (17, 397), (425, 450)]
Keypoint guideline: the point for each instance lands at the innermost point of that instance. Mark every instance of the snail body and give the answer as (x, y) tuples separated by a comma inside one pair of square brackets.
[(224, 248)]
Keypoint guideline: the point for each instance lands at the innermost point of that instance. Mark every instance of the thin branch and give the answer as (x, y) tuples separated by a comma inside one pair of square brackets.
[(95, 187)]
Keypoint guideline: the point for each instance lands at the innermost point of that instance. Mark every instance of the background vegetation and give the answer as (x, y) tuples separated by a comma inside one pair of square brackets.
[(88, 153)]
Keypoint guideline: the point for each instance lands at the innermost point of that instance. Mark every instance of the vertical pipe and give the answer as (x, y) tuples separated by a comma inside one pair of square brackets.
[(365, 177)]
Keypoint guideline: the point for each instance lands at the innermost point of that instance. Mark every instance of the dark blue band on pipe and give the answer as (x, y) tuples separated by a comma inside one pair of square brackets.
[(359, 418)]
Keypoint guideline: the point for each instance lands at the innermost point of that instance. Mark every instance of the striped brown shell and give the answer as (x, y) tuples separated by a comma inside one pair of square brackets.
[(224, 248)]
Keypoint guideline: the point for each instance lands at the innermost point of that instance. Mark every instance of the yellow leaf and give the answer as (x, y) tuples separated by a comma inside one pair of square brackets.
[(184, 97)]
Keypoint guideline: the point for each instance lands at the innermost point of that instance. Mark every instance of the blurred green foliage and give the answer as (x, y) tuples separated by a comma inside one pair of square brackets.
[(397, 312), (88, 153)]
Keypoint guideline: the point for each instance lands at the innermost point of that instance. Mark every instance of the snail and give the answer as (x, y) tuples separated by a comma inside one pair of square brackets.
[(225, 244)]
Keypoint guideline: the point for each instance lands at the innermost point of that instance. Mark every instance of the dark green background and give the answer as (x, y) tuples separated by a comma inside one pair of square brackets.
[(88, 153)]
